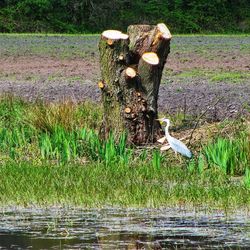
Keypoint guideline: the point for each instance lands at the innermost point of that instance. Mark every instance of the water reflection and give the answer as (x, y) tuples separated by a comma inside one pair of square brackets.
[(121, 229)]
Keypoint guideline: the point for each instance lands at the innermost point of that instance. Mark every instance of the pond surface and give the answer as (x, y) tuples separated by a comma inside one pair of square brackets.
[(114, 228)]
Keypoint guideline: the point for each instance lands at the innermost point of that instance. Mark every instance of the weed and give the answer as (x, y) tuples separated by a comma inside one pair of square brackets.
[(197, 165), (48, 117), (156, 161), (247, 178), (191, 166)]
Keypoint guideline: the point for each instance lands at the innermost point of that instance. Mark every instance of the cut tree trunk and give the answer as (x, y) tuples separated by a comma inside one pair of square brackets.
[(131, 70)]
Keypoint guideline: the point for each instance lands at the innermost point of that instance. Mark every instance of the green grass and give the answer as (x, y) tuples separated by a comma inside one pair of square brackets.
[(82, 45), (215, 76), (229, 76), (214, 35), (191, 73), (51, 154), (97, 34), (96, 185), (53, 46), (51, 34)]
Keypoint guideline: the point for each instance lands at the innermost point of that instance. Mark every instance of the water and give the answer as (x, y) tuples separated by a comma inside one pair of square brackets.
[(114, 228)]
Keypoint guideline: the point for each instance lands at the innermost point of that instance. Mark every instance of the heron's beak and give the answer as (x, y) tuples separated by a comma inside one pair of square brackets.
[(160, 120)]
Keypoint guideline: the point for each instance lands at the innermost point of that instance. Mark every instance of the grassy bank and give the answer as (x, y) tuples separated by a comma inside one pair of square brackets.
[(51, 154)]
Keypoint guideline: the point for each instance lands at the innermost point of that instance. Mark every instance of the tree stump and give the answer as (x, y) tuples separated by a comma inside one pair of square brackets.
[(131, 70)]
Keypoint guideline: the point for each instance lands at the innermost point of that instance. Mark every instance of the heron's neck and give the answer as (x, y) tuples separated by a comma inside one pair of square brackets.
[(166, 130)]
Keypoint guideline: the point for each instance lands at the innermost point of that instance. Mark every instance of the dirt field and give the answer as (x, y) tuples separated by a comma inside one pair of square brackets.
[(203, 74)]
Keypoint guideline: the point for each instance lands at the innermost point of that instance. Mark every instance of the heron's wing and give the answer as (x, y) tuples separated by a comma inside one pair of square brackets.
[(162, 140), (165, 147), (179, 147)]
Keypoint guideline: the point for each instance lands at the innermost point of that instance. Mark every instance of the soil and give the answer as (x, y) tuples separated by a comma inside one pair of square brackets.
[(25, 66), (223, 61), (46, 67), (218, 100), (51, 78)]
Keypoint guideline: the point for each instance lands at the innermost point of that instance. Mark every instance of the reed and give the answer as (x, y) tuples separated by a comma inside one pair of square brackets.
[(247, 178), (232, 156)]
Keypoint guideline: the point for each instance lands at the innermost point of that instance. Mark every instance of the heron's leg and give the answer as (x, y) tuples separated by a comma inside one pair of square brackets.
[(178, 156)]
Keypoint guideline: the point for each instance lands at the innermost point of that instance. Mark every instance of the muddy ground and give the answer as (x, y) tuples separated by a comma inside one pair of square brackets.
[(208, 74)]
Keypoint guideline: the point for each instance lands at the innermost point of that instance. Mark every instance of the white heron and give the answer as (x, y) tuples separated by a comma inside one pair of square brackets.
[(176, 145)]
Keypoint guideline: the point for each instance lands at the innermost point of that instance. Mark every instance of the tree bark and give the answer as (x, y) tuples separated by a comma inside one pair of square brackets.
[(130, 80)]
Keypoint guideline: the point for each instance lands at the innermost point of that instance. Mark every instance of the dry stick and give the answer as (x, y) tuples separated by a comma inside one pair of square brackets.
[(236, 118), (185, 107), (198, 120), (147, 146), (242, 108)]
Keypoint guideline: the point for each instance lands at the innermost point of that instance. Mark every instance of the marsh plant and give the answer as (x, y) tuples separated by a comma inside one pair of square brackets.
[(63, 145), (67, 131), (247, 178), (52, 154), (232, 156)]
